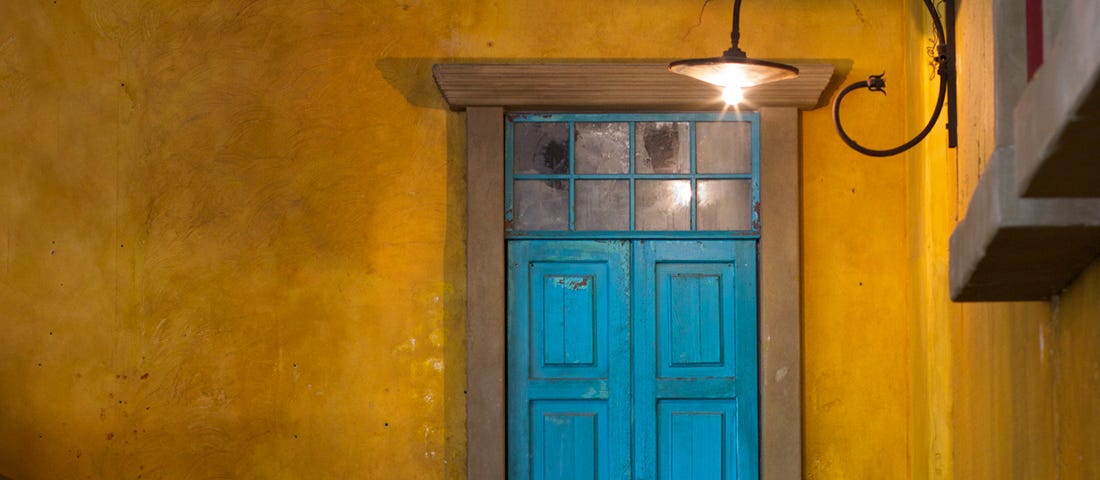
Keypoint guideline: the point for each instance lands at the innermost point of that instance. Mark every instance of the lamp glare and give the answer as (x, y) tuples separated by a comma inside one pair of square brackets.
[(733, 95)]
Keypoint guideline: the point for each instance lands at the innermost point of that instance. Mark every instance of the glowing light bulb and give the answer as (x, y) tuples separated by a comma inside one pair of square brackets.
[(733, 95)]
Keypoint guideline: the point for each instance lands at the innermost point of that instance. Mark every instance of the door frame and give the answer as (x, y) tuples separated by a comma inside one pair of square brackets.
[(779, 265)]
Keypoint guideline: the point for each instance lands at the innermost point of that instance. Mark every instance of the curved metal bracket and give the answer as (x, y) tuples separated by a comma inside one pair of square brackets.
[(945, 61)]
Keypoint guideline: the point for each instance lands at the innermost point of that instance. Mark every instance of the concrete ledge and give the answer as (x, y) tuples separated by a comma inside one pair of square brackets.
[(1057, 120), (1010, 248)]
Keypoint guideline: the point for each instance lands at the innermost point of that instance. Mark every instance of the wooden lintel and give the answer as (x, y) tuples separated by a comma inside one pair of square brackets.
[(587, 86)]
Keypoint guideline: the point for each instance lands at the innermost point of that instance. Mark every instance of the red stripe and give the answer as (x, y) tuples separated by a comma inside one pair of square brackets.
[(1034, 36)]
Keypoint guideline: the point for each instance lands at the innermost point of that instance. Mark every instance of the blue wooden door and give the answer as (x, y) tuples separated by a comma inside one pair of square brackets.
[(569, 359), (695, 389), (632, 359)]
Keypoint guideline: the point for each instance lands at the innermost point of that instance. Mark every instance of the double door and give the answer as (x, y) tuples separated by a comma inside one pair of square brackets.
[(632, 359)]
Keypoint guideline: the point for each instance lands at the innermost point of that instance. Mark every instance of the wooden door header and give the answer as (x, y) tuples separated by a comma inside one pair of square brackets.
[(612, 86)]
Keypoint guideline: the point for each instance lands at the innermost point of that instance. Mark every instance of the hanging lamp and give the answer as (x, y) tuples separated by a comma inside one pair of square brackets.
[(734, 70)]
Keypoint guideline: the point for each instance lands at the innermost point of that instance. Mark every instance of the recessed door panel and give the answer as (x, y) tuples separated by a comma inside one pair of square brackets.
[(695, 407), (695, 319), (568, 301), (569, 359), (572, 438), (697, 439)]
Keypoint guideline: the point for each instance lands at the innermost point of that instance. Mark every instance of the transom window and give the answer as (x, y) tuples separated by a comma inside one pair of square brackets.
[(632, 175)]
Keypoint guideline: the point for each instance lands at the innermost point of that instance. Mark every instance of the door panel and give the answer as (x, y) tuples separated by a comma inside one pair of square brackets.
[(565, 329), (569, 359), (695, 359), (568, 434), (632, 359), (697, 439), (695, 331)]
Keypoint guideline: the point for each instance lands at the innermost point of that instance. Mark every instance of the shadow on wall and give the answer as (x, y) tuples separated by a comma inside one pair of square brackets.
[(454, 273), (412, 78), (842, 67)]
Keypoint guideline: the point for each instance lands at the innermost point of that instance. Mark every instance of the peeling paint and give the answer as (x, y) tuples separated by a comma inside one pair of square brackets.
[(780, 374), (574, 283)]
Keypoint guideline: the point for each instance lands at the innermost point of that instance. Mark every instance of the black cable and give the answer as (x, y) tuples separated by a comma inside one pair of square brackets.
[(735, 33), (876, 83)]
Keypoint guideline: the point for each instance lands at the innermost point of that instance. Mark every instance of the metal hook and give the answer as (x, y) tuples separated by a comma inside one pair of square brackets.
[(876, 83)]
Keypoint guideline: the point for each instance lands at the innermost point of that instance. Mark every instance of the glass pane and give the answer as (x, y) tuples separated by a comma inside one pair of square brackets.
[(663, 205), (662, 147), (724, 205), (602, 147), (723, 147), (541, 148), (603, 205), (540, 205)]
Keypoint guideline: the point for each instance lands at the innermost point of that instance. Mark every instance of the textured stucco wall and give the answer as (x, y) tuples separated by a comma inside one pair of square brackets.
[(231, 232), (230, 245), (855, 339)]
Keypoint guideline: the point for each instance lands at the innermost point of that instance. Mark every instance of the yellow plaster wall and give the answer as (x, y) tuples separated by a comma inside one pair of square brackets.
[(1076, 342), (854, 338), (230, 246), (1003, 390), (232, 231), (929, 443)]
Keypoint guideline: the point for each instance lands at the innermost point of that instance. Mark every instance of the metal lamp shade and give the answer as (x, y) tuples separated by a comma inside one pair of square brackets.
[(733, 71)]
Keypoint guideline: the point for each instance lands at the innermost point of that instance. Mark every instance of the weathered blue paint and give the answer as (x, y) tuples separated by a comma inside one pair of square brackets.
[(695, 356), (694, 171), (641, 235), (632, 133), (569, 359), (698, 439), (509, 168), (755, 129), (572, 177), (632, 359), (632, 354)]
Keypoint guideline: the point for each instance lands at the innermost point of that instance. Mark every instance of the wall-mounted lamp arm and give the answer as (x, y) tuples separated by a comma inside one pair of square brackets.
[(945, 69), (876, 83)]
